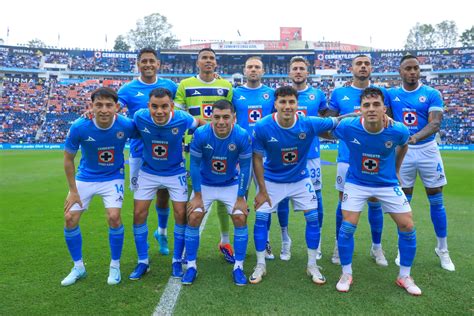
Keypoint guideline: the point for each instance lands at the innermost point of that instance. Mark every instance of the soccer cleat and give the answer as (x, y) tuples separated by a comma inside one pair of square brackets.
[(139, 271), (114, 276), (285, 253), (228, 253), (315, 274), (239, 277), (268, 252), (189, 276), (397, 259), (379, 257), (409, 285), (335, 256), (73, 276), (344, 283), (162, 242), (446, 262), (177, 270), (258, 273)]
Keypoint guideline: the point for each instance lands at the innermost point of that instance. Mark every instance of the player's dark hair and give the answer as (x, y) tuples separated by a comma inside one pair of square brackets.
[(161, 93), (104, 92), (285, 91), (362, 56), (224, 105), (407, 56), (372, 92), (206, 49), (147, 50)]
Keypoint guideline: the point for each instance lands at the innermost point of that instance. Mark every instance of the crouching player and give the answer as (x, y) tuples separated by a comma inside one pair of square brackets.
[(373, 172), (100, 172), (221, 154)]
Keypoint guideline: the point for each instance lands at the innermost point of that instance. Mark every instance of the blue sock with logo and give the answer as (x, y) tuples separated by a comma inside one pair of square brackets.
[(241, 238), (179, 240), (284, 212), (140, 233), (376, 221), (407, 247), (74, 242), (338, 218), (116, 241), (345, 242), (313, 233), (319, 196), (260, 230), (192, 242), (438, 215), (163, 214)]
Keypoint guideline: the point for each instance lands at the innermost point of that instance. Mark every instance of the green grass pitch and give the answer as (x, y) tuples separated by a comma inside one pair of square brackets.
[(34, 256)]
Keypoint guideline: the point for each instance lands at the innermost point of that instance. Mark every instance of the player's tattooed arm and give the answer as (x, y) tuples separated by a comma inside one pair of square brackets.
[(73, 195), (433, 126), (262, 195)]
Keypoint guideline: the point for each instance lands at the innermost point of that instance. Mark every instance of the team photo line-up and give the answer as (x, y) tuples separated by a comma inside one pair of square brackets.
[(202, 141)]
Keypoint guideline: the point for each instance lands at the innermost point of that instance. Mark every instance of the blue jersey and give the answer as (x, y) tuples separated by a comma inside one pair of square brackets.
[(135, 95), (214, 160), (102, 149), (372, 155), (162, 144), (252, 104), (412, 108), (286, 149), (310, 102), (345, 100)]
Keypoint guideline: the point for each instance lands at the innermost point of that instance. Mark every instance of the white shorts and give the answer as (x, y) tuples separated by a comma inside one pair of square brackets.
[(426, 160), (393, 199), (135, 164), (314, 168), (148, 184), (227, 195), (301, 193), (342, 168), (111, 192)]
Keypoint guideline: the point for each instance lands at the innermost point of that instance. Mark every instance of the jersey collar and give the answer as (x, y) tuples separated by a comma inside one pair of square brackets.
[(362, 122), (169, 120), (214, 132), (417, 88), (107, 128), (148, 84), (205, 82), (275, 116)]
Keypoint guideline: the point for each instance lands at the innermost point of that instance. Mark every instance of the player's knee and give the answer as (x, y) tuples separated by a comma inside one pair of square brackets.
[(433, 191), (195, 218), (115, 220), (70, 220), (239, 220), (406, 226)]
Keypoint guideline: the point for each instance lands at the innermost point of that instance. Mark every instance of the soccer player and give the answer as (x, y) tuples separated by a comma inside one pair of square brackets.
[(252, 102), (162, 130), (197, 95), (420, 109), (347, 100), (311, 102), (373, 172), (221, 154), (285, 138), (100, 172), (134, 96)]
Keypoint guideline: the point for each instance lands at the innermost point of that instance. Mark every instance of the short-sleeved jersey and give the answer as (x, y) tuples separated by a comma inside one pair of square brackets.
[(220, 156), (413, 108), (102, 149), (372, 155), (345, 100), (310, 102), (198, 96), (162, 144), (135, 95), (252, 104), (286, 149)]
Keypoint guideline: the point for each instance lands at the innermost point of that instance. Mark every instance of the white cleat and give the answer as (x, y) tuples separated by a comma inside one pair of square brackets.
[(285, 253), (409, 285), (446, 262), (315, 274), (114, 276), (344, 283), (258, 273), (379, 257), (335, 256), (73, 276), (397, 259), (268, 252)]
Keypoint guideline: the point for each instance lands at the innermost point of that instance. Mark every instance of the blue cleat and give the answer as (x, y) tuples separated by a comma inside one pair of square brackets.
[(162, 242), (73, 276), (226, 250), (189, 276), (177, 270), (239, 277), (139, 271)]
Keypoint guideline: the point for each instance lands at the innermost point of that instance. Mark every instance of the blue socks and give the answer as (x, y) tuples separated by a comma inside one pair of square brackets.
[(407, 247), (140, 232), (345, 242), (74, 242), (284, 212), (376, 221), (338, 218), (179, 240), (319, 196), (438, 215), (241, 238), (163, 214), (313, 233), (192, 242), (116, 241), (260, 230)]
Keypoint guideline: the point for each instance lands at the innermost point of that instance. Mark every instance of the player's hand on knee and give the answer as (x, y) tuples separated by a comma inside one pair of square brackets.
[(71, 199), (240, 205), (261, 198), (195, 203)]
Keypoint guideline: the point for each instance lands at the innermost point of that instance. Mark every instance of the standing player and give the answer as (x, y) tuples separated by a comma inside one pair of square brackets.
[(197, 95), (162, 131), (100, 172), (373, 172), (347, 100), (311, 102), (285, 138), (134, 96), (252, 102), (221, 153), (420, 108)]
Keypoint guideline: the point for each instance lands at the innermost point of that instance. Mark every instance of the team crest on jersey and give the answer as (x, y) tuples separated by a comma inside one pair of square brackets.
[(410, 118), (422, 99), (106, 156), (206, 111), (266, 96), (312, 97), (370, 163), (339, 179), (219, 165), (220, 91), (302, 136), (120, 135), (289, 156), (388, 144), (175, 131), (254, 115), (344, 197), (159, 151), (232, 146)]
